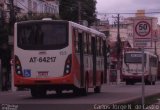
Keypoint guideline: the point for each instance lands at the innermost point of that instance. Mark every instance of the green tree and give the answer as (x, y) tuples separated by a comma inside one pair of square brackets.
[(69, 10), (4, 53), (36, 17), (88, 10), (3, 31)]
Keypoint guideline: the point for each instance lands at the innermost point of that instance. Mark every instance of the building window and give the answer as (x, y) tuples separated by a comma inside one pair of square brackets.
[(29, 5), (22, 0), (35, 6)]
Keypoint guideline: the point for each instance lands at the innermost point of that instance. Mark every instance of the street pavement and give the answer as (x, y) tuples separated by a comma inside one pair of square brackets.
[(111, 94)]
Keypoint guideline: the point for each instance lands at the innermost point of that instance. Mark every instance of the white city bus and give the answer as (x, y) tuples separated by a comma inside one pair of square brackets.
[(58, 55), (132, 66)]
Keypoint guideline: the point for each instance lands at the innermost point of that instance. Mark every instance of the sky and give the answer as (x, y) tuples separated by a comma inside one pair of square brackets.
[(127, 6)]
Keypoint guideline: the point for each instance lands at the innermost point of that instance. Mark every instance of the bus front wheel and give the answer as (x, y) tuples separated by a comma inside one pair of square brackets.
[(97, 89)]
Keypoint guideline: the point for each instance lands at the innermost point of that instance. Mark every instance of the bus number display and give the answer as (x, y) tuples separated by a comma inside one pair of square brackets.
[(42, 59)]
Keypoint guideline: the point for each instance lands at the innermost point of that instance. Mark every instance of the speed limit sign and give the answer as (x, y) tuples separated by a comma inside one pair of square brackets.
[(142, 32), (143, 28)]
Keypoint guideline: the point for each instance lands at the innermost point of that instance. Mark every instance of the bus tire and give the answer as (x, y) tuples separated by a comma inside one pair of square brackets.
[(128, 82), (34, 93), (154, 78), (132, 83), (102, 80), (147, 82), (97, 89), (153, 82), (38, 93), (84, 91), (76, 91), (58, 92)]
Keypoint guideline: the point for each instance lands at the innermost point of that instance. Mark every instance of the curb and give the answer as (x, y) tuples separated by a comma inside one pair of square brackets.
[(131, 100)]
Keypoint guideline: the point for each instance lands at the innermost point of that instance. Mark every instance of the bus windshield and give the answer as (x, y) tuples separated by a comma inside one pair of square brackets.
[(133, 58), (42, 35)]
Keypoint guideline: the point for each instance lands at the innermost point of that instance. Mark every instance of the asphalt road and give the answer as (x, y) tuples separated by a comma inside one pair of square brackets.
[(111, 94)]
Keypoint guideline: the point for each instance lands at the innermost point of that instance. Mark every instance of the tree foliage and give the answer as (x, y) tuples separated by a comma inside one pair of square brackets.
[(36, 17), (69, 10), (3, 31)]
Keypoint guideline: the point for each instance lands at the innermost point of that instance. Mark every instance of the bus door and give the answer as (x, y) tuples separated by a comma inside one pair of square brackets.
[(80, 37), (93, 44)]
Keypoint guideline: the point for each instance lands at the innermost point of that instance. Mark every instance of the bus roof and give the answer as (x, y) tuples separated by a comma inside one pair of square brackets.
[(87, 29)]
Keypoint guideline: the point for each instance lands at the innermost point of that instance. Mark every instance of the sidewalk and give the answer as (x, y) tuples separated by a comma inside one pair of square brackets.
[(155, 106)]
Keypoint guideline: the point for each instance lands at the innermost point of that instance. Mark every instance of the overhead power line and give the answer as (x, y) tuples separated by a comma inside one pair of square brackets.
[(23, 5), (154, 12)]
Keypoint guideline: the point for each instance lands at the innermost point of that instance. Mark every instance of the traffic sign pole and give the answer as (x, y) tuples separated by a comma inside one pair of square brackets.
[(143, 39), (143, 85)]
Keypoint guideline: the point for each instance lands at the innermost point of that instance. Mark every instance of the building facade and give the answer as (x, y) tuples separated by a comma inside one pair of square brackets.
[(154, 29), (10, 9), (26, 7), (126, 31)]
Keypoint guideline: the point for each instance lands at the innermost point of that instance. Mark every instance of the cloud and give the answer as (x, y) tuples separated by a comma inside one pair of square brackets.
[(110, 5), (127, 6), (107, 6)]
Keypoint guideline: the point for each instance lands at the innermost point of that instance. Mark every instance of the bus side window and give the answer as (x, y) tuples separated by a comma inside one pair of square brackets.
[(75, 32), (104, 51), (97, 40), (80, 41), (85, 42), (101, 47), (89, 46)]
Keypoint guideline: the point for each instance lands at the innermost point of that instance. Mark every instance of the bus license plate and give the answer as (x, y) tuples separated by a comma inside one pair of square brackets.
[(43, 74)]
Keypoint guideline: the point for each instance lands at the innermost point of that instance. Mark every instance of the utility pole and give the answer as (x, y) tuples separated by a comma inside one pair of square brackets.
[(155, 43), (12, 17), (118, 33), (79, 11), (155, 47), (118, 47), (6, 56)]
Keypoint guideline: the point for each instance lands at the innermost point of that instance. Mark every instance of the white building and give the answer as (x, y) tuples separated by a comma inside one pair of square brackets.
[(154, 29), (38, 6), (23, 7), (122, 31), (127, 30)]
